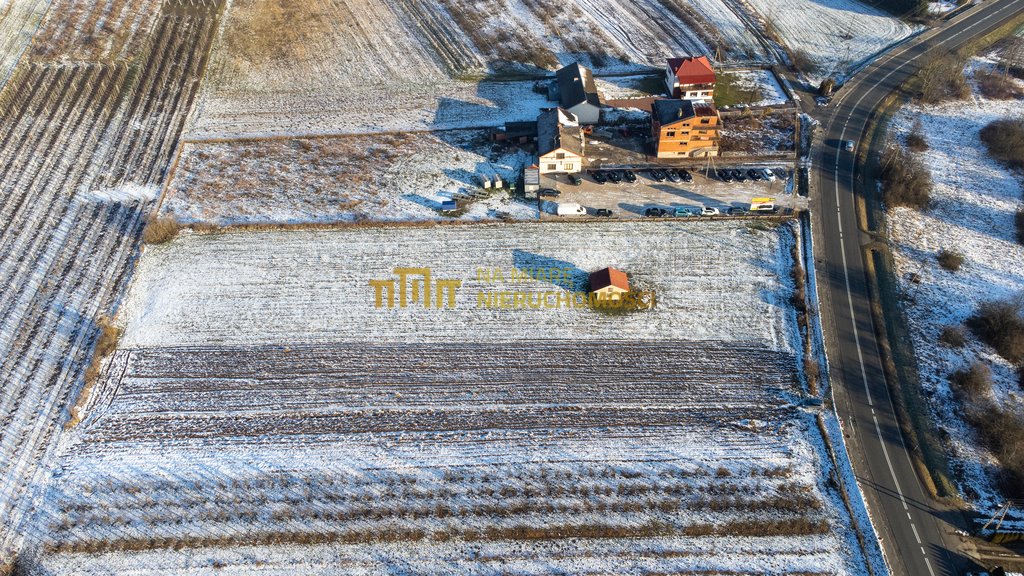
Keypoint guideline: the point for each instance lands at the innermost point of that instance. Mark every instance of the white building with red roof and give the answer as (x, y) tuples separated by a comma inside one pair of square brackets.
[(690, 78)]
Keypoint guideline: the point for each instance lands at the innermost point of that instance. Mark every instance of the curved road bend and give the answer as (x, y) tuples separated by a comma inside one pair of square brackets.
[(908, 522)]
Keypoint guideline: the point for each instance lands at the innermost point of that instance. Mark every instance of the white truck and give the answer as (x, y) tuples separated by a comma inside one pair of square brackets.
[(571, 209)]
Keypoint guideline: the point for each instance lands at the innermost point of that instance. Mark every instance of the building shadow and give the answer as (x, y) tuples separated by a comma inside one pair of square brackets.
[(577, 280)]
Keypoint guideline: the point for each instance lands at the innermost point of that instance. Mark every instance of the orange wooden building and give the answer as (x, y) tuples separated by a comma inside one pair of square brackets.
[(685, 129)]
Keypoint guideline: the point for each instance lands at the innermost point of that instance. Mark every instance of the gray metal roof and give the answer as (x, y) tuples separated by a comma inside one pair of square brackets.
[(557, 128), (576, 86), (668, 111)]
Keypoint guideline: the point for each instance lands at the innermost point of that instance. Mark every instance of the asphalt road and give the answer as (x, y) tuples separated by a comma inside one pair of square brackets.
[(913, 531)]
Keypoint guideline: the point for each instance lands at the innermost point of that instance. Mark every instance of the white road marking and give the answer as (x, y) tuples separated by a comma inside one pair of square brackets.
[(914, 528), (892, 472)]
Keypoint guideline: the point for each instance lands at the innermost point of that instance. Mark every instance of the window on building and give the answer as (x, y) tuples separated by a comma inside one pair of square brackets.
[(568, 167), (552, 166), (705, 120), (560, 155), (670, 134)]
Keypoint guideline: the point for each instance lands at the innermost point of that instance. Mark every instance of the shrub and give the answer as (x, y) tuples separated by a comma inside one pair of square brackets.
[(1001, 430), (941, 79), (950, 260), (998, 86), (161, 229), (905, 180), (915, 140), (998, 323), (953, 336), (972, 384), (1005, 141)]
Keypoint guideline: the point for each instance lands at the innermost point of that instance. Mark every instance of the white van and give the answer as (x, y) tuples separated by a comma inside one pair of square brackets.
[(571, 209)]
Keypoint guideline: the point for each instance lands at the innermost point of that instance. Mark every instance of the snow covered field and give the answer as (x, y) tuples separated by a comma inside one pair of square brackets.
[(409, 64), (763, 82), (834, 33), (18, 22), (262, 415), (104, 30), (715, 281), (374, 177), (973, 203)]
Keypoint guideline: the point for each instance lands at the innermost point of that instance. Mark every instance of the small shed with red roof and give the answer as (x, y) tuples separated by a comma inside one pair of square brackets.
[(609, 283)]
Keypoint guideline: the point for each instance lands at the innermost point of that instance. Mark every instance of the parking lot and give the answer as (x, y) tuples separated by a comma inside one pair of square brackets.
[(631, 200)]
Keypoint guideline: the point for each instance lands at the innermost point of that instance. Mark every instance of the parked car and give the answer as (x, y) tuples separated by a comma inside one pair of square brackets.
[(614, 176), (710, 211), (739, 175), (684, 212), (767, 174), (849, 145), (754, 174), (673, 176), (736, 211), (603, 212), (725, 175), (548, 192), (575, 179), (571, 209), (762, 208), (657, 175), (685, 175), (597, 176), (655, 212), (629, 175)]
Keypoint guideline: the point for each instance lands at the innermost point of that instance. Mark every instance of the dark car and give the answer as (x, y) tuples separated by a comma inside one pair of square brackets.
[(598, 176), (754, 174), (655, 212), (725, 175), (736, 211), (657, 175), (629, 175), (673, 176), (739, 176), (549, 192), (614, 176), (575, 179), (603, 212), (685, 175)]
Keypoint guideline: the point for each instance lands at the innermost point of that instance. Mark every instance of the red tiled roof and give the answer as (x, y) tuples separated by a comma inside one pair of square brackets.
[(608, 277), (692, 70)]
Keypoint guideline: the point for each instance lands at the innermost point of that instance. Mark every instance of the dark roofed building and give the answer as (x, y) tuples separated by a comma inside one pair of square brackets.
[(577, 93), (684, 128), (560, 143)]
